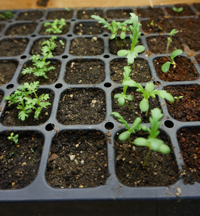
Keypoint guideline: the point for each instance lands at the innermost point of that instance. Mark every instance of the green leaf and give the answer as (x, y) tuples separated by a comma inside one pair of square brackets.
[(122, 35), (130, 83), (131, 57), (176, 53), (140, 141), (122, 53), (164, 95), (129, 97), (149, 87), (121, 101), (144, 105), (124, 135), (139, 49), (165, 67)]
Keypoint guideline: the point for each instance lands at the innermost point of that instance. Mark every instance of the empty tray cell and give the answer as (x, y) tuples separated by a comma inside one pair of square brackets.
[(88, 28), (82, 106), (86, 14), (119, 13), (21, 29), (30, 15), (59, 14), (153, 13)]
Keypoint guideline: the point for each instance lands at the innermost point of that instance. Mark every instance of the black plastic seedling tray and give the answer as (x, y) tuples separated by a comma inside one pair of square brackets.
[(112, 198)]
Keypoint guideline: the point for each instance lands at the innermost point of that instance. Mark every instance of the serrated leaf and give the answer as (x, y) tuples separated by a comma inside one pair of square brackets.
[(165, 67)]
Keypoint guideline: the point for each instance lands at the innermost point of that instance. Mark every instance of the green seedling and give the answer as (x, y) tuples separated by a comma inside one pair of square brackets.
[(165, 67), (135, 50), (123, 97), (27, 100), (177, 10), (13, 137), (61, 42), (135, 126), (114, 27), (6, 14), (152, 142), (178, 98), (67, 9), (48, 46), (147, 92), (56, 26), (152, 23)]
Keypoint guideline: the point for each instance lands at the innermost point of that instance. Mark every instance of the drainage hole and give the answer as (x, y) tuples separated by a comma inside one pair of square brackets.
[(105, 35), (58, 85), (169, 124), (33, 35), (9, 86), (69, 35), (50, 127), (107, 85), (109, 125), (106, 56), (64, 57), (23, 57)]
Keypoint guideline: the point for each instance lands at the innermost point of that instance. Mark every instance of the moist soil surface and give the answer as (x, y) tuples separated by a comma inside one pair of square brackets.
[(197, 6), (140, 74), (82, 106), (64, 29), (158, 44), (77, 159), (88, 28), (10, 114), (153, 13), (85, 71), (158, 26), (135, 111), (30, 15), (185, 12), (37, 45), (184, 70), (7, 70), (19, 162), (87, 46), (52, 74), (21, 29), (1, 98), (198, 58), (188, 107), (1, 27), (13, 47), (189, 31), (160, 169), (189, 142), (59, 14), (119, 13), (86, 14)]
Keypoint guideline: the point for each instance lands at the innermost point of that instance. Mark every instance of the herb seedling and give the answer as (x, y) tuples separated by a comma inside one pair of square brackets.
[(13, 137), (123, 97), (135, 126), (48, 46), (177, 10), (152, 142), (56, 26), (6, 14), (152, 23), (165, 67), (177, 99), (61, 42), (114, 27), (27, 100), (67, 9), (135, 50), (147, 92)]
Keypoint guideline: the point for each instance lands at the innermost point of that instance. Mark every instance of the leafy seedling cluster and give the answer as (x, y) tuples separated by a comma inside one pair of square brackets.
[(177, 10), (13, 138), (6, 14), (56, 26)]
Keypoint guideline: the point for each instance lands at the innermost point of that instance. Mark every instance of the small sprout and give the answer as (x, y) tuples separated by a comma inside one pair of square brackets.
[(135, 50), (177, 10), (61, 42), (67, 9), (11, 154), (56, 26), (165, 67), (25, 101), (123, 97), (178, 98), (6, 14), (135, 126), (13, 137), (32, 151), (152, 23), (160, 28), (152, 142)]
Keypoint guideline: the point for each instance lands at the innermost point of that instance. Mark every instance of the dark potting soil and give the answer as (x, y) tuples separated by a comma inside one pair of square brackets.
[(189, 142), (7, 70), (188, 107), (64, 30), (198, 58), (86, 14), (140, 74), (135, 111), (82, 106), (30, 15), (88, 28), (189, 31), (87, 46), (113, 47), (19, 162), (185, 12), (13, 46), (184, 70), (10, 114), (37, 45), (1, 98), (21, 29), (160, 169), (59, 14), (158, 26), (52, 74), (78, 159), (85, 71), (158, 44), (1, 27), (119, 13), (197, 6), (153, 13)]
